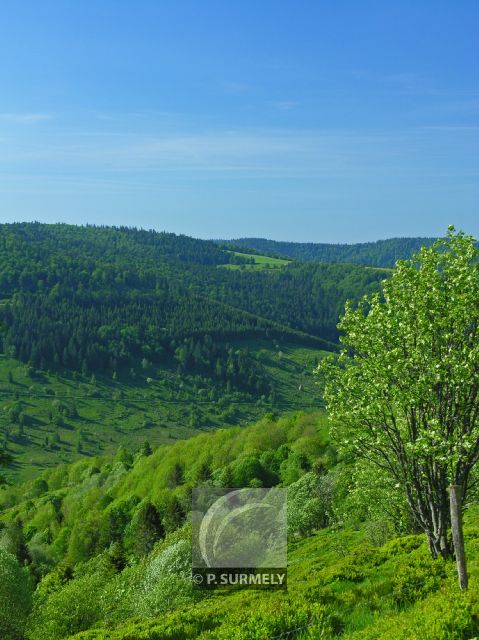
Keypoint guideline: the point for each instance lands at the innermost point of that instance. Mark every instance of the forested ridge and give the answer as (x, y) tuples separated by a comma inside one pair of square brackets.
[(97, 298), (382, 253)]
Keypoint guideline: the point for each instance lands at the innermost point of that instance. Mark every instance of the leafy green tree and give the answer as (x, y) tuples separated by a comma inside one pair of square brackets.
[(71, 608), (116, 555), (223, 477), (124, 456), (39, 487), (308, 504), (294, 467), (83, 539), (247, 469), (15, 597), (12, 540), (404, 391)]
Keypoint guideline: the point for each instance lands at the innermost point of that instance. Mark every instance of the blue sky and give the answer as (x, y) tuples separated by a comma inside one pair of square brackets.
[(309, 121)]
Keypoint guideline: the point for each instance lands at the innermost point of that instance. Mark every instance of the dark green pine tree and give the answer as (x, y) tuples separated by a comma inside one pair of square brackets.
[(146, 449), (174, 515), (15, 541), (204, 472), (146, 528), (177, 476)]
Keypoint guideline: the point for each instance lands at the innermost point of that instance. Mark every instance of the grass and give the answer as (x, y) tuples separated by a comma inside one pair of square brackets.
[(260, 262), (155, 405)]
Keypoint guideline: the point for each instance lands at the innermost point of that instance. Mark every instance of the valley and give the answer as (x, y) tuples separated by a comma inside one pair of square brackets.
[(117, 336), (137, 367)]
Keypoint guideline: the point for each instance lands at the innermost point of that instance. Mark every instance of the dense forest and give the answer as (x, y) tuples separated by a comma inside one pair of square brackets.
[(382, 253), (115, 296)]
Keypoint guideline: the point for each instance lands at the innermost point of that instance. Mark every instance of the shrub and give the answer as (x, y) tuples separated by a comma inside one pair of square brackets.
[(448, 614), (406, 544), (308, 501), (175, 560), (276, 617), (15, 597), (414, 581), (72, 608)]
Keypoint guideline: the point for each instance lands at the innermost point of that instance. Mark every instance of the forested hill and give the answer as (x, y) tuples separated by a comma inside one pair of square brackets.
[(98, 298), (382, 253)]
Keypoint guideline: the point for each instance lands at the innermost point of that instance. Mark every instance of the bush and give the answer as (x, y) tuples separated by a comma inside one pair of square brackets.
[(175, 560), (406, 544), (167, 593), (308, 503), (15, 597), (276, 617), (72, 608), (446, 615), (414, 581)]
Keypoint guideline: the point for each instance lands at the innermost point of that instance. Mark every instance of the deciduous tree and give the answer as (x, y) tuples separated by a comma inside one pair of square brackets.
[(404, 391)]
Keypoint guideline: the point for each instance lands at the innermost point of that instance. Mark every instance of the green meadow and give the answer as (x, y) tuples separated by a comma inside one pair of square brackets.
[(253, 261), (49, 418)]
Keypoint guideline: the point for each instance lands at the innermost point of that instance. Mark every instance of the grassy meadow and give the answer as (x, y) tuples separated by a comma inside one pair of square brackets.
[(48, 418)]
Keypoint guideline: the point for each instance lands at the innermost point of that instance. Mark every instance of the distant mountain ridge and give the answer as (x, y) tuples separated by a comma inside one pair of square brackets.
[(381, 253)]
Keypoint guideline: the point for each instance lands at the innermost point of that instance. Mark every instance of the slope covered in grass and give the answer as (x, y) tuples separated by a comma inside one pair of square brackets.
[(47, 418)]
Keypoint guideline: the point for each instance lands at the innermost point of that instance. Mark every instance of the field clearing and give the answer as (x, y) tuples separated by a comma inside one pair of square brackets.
[(260, 262)]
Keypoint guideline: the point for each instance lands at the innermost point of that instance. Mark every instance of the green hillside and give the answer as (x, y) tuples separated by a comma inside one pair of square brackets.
[(118, 335), (382, 253), (47, 418), (253, 261), (354, 577), (116, 295), (137, 366)]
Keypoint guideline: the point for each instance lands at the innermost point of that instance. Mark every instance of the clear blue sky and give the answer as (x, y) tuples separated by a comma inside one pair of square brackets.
[(300, 120)]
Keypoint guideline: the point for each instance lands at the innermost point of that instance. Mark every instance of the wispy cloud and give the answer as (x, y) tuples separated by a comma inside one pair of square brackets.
[(24, 118), (254, 153)]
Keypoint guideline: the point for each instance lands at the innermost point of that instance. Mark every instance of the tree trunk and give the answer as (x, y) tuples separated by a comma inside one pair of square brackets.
[(455, 498)]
